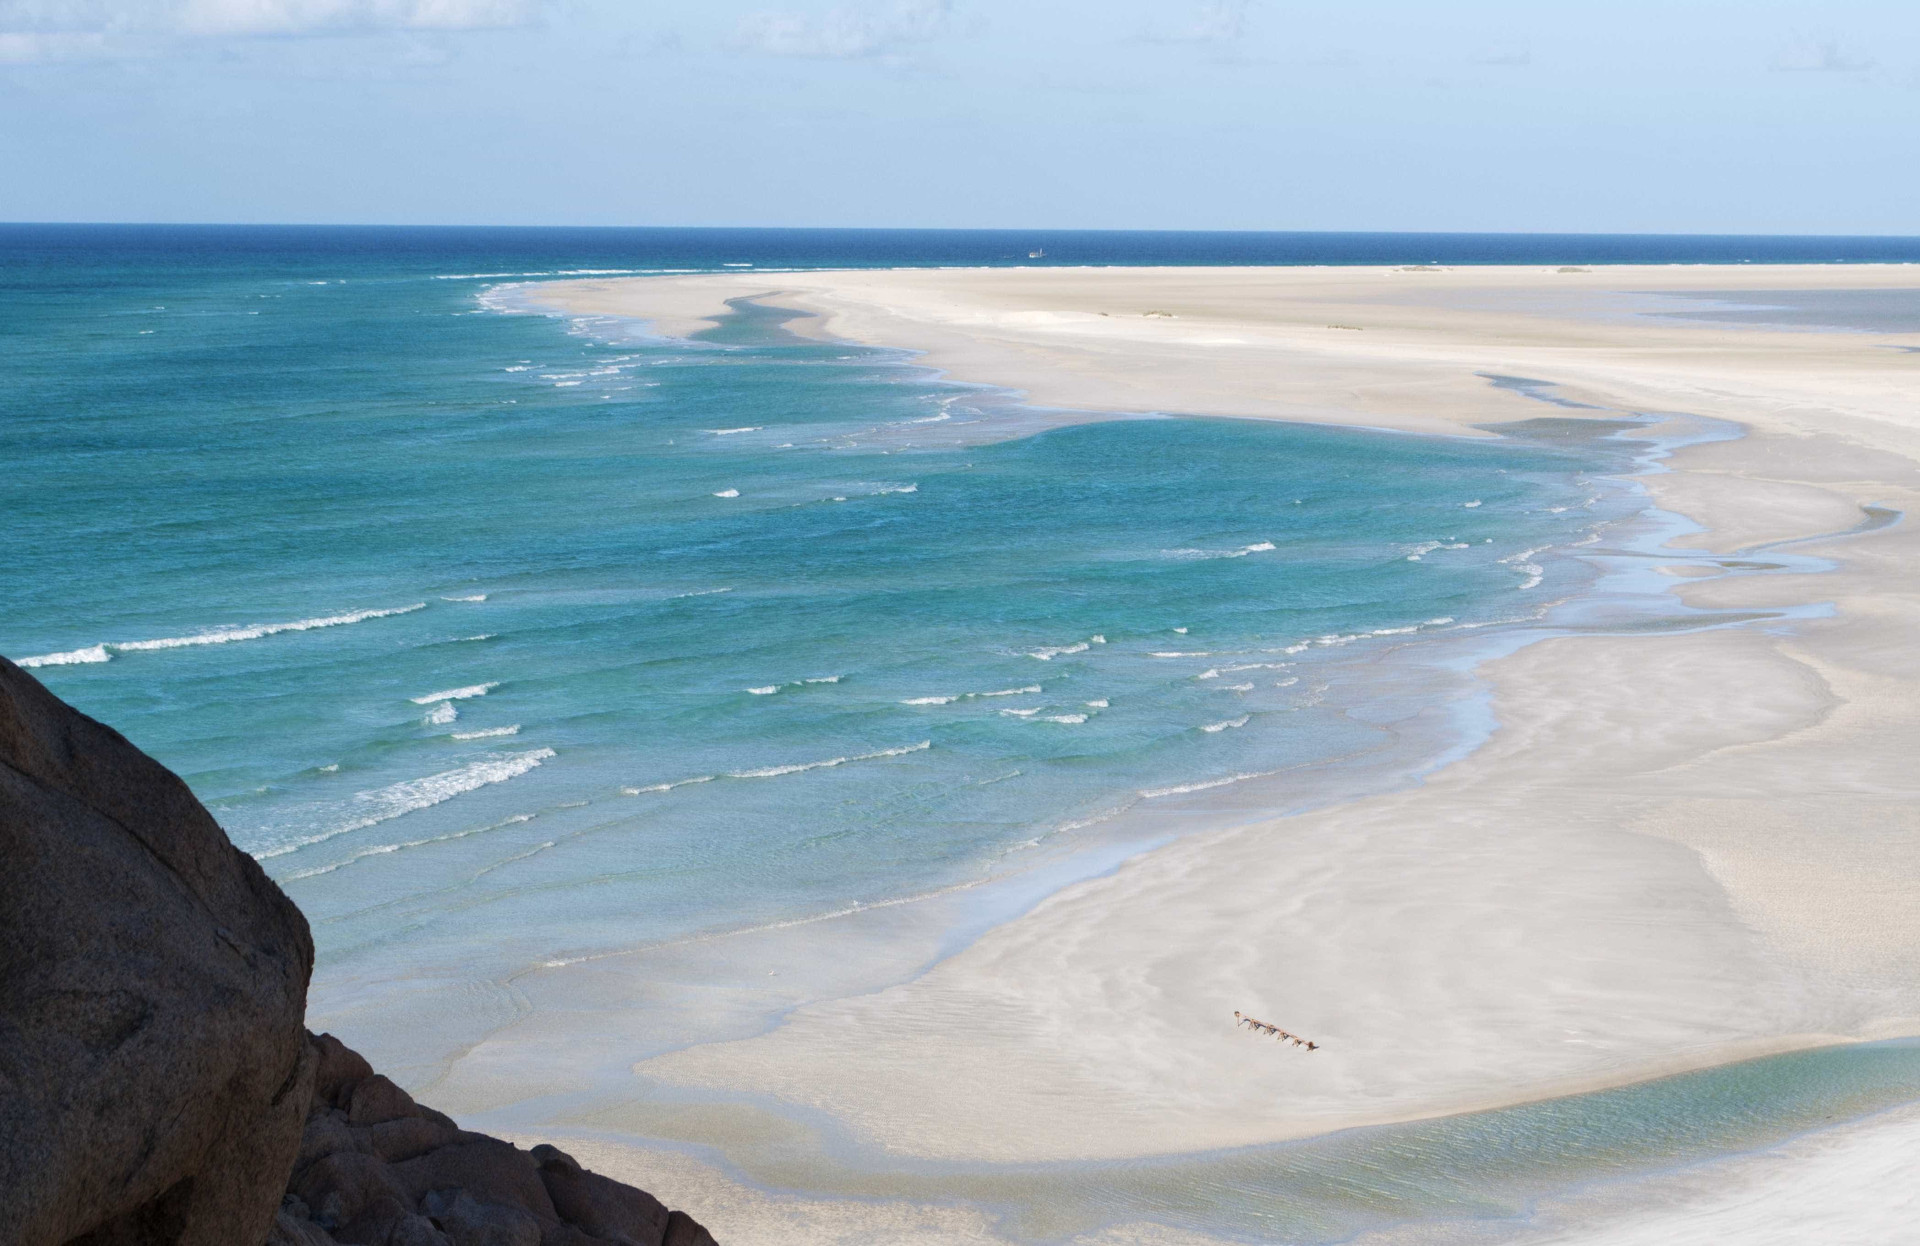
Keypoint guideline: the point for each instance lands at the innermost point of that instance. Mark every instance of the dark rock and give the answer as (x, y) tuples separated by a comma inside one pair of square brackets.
[(468, 1222), (546, 1155), (338, 1069), (293, 1230), (684, 1230), (326, 1133), (415, 1231), (599, 1205), (352, 1188), (376, 1100), (408, 1137), (496, 1171), (154, 1072), (156, 1085)]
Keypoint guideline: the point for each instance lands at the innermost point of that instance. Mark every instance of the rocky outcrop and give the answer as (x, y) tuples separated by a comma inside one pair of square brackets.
[(377, 1169), (157, 1083), (154, 1068)]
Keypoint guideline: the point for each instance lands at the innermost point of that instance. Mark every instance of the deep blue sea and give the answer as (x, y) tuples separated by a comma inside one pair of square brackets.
[(501, 637)]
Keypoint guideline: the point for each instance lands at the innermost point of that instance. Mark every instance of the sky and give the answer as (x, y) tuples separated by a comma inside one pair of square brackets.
[(1687, 116)]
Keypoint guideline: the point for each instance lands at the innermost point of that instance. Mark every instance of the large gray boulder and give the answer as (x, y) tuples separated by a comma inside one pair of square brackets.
[(155, 1073), (377, 1169), (157, 1083)]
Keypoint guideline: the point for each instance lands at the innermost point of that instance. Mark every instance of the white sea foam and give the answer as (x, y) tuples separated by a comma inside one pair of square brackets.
[(1097, 705), (897, 489), (772, 772), (1176, 653), (1009, 692), (1524, 564), (489, 734), (1442, 621), (668, 787), (254, 631), (1051, 652), (728, 432), (727, 493), (1020, 713), (1289, 682), (930, 700), (1227, 725), (1234, 688), (823, 679), (73, 657), (474, 597), (1069, 719), (383, 849), (215, 636), (1181, 630), (1155, 793), (1472, 504), (442, 714), (456, 694), (766, 691), (700, 592), (398, 799), (1258, 547)]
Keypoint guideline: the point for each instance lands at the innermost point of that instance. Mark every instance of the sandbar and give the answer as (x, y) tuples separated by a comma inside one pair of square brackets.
[(1677, 849)]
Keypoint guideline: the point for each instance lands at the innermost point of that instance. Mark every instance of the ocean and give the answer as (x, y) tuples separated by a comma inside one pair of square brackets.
[(504, 639)]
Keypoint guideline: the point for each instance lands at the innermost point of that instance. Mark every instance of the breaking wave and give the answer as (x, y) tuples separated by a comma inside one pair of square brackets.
[(399, 799), (774, 772), (457, 694), (213, 636)]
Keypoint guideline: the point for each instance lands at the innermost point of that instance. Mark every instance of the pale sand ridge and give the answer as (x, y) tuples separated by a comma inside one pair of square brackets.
[(1676, 850)]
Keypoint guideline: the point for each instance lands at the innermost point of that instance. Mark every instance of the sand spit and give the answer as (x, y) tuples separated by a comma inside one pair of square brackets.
[(1677, 850)]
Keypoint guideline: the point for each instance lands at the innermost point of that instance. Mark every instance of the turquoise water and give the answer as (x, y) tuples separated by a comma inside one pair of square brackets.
[(1479, 1177), (509, 636), (502, 638)]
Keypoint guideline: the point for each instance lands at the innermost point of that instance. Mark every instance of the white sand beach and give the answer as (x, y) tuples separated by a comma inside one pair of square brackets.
[(1676, 850)]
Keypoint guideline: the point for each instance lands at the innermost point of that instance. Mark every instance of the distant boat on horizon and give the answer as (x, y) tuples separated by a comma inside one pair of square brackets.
[(1036, 255)]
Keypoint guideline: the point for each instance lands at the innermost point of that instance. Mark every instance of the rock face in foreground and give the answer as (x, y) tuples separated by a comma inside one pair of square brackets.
[(377, 1169), (157, 1083), (154, 1067)]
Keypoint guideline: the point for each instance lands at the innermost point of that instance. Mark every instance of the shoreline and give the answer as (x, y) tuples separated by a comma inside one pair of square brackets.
[(1742, 500)]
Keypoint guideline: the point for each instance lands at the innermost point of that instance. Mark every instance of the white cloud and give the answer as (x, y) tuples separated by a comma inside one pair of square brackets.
[(846, 33), (40, 30), (280, 17), (1217, 21), (1820, 56), (18, 47)]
